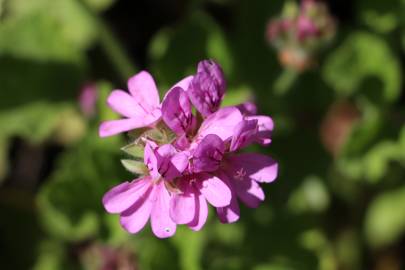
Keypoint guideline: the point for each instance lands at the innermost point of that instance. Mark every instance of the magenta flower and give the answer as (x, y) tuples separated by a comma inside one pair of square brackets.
[(139, 200), (140, 107), (190, 206), (190, 158), (243, 173), (148, 196), (207, 88)]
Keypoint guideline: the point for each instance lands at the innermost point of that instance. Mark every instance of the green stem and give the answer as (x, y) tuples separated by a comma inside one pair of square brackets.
[(285, 81), (116, 53)]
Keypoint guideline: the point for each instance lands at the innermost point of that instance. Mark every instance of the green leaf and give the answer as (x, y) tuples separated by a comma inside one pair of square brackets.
[(34, 122), (381, 16), (134, 150), (385, 221), (176, 52), (361, 57), (133, 166), (69, 203), (311, 196)]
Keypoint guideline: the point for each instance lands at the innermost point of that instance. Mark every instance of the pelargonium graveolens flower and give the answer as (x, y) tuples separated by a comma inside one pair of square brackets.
[(190, 157)]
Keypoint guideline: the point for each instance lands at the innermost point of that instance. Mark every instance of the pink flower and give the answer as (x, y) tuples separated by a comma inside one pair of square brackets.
[(88, 99), (147, 197), (140, 107), (190, 206), (139, 200), (191, 158), (243, 173)]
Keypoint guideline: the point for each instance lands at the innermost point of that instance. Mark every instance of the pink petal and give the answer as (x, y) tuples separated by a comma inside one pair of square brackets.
[(230, 213), (113, 127), (247, 108), (162, 225), (165, 161), (143, 88), (124, 104), (183, 207), (215, 190), (257, 167), (150, 159), (201, 214), (249, 192), (180, 161), (135, 218), (177, 113), (208, 154), (207, 87), (221, 123), (244, 134), (266, 126), (184, 83), (121, 197)]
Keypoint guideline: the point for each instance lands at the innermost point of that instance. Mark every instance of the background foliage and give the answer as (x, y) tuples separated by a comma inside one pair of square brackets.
[(338, 204)]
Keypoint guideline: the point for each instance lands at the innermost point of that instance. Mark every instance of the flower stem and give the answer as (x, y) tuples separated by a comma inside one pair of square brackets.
[(285, 82)]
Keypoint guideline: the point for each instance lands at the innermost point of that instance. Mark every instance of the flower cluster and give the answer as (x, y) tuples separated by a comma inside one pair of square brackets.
[(301, 32), (186, 157)]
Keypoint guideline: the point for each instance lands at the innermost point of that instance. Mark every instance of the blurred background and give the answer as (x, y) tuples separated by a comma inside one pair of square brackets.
[(329, 73)]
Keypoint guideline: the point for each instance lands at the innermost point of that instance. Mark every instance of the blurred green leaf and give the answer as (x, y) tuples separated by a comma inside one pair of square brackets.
[(176, 52), (34, 122), (361, 57), (3, 158), (385, 221), (51, 256), (381, 16), (311, 196), (66, 211)]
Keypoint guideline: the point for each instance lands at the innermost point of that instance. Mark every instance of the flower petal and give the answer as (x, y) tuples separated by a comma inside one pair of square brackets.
[(162, 225), (247, 108), (135, 218), (183, 207), (201, 213), (121, 197), (243, 134), (176, 111), (208, 154), (143, 88), (184, 83), (215, 190), (266, 126), (165, 161), (113, 127), (230, 213), (249, 192), (150, 159), (221, 123), (124, 104), (257, 167), (207, 87)]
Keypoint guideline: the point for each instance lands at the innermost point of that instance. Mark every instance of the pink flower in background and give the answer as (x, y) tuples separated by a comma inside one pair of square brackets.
[(190, 156), (300, 33), (88, 99)]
